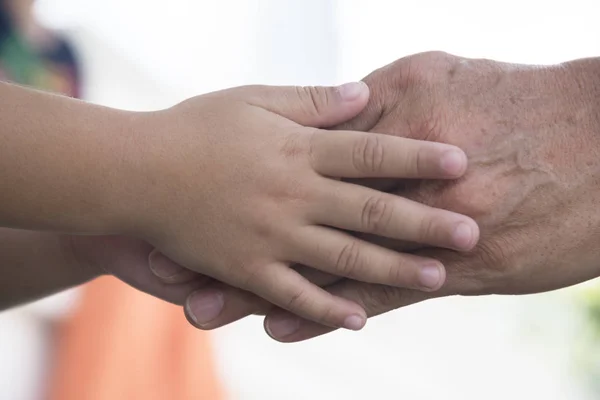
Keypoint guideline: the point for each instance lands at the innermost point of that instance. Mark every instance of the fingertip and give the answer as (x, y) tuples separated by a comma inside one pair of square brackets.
[(305, 330), (204, 306), (353, 91), (284, 326), (355, 322), (465, 235), (432, 276), (453, 162), (167, 270), (352, 99), (281, 325)]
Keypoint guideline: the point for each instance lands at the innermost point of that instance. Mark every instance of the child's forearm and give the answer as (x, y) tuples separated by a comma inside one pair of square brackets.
[(65, 165)]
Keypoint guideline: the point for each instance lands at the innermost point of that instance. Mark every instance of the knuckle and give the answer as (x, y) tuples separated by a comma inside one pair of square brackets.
[(464, 273), (397, 274), (492, 255), (413, 162), (433, 58), (312, 152), (326, 317), (262, 228), (249, 277), (348, 260), (368, 155), (314, 98), (490, 269), (297, 301), (430, 65), (289, 198), (427, 230), (376, 214), (377, 299), (435, 54), (420, 162), (294, 146)]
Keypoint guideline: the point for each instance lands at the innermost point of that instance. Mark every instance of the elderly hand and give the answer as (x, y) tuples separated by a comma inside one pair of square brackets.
[(532, 136)]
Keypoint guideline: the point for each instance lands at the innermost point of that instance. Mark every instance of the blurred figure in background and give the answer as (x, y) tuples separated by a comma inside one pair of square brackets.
[(114, 343), (30, 55)]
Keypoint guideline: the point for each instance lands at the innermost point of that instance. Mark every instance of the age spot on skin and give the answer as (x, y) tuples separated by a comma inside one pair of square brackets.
[(452, 71)]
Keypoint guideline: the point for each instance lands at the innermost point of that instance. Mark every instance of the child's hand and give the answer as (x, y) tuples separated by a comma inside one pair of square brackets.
[(240, 184)]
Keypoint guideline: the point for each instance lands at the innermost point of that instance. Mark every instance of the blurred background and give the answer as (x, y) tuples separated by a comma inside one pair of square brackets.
[(104, 341)]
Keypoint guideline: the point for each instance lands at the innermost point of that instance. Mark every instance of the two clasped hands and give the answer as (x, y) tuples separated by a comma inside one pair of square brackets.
[(321, 207)]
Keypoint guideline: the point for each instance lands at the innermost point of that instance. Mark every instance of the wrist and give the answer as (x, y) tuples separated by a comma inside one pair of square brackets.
[(127, 202), (143, 142), (116, 167), (164, 142)]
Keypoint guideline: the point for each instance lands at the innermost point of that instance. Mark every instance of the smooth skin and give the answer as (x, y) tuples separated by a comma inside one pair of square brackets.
[(237, 185)]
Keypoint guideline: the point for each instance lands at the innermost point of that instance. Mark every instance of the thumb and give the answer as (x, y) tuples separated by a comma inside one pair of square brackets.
[(382, 98), (169, 271), (315, 106)]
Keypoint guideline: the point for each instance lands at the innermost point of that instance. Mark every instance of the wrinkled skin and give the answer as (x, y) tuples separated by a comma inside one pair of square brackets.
[(533, 184), (533, 144)]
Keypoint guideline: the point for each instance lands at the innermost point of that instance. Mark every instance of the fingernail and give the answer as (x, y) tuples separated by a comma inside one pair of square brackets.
[(351, 91), (205, 305), (430, 276), (463, 235), (453, 162), (355, 322), (280, 327), (163, 267)]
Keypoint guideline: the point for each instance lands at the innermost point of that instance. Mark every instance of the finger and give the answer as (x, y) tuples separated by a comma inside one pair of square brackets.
[(140, 277), (376, 299), (350, 154), (356, 208), (387, 103), (218, 304), (340, 254), (315, 106), (167, 270), (315, 276), (286, 288)]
